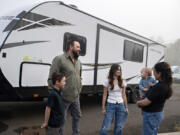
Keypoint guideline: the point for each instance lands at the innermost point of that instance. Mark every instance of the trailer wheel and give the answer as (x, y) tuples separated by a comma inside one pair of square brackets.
[(133, 97), (128, 95)]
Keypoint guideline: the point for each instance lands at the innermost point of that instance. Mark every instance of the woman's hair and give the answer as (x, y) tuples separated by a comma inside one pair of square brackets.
[(112, 72), (57, 77), (166, 75)]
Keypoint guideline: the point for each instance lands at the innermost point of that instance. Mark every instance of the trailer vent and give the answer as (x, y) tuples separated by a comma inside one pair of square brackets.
[(54, 22)]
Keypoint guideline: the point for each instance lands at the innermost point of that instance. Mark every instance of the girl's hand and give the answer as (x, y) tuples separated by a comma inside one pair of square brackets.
[(127, 111), (103, 111)]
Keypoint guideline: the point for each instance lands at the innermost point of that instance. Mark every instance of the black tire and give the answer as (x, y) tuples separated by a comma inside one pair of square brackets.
[(133, 97), (128, 95)]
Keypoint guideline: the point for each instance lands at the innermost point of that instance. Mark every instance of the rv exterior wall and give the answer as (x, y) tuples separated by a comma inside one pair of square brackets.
[(39, 37)]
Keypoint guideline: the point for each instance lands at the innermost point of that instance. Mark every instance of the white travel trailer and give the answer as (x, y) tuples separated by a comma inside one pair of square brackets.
[(34, 36)]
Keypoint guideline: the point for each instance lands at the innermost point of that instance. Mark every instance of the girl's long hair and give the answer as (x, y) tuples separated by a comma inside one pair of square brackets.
[(112, 72), (166, 75)]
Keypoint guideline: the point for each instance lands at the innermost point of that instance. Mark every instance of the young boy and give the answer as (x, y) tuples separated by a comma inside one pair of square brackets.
[(146, 82), (54, 113)]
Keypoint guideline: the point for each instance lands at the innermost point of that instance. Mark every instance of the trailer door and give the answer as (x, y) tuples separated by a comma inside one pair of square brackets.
[(110, 51), (125, 50)]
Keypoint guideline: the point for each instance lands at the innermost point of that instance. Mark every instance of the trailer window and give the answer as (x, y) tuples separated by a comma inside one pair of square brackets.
[(80, 39), (133, 51)]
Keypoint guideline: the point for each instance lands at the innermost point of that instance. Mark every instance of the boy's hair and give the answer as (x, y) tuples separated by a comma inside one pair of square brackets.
[(149, 71), (57, 77)]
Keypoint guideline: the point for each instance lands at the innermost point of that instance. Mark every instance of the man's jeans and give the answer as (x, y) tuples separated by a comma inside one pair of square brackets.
[(74, 109), (151, 122), (115, 112)]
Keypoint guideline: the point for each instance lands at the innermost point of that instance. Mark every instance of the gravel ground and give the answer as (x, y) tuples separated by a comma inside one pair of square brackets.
[(18, 115)]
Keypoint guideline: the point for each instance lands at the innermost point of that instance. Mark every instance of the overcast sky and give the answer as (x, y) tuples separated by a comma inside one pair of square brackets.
[(149, 18)]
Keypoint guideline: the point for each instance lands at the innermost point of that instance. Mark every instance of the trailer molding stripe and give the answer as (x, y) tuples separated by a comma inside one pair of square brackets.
[(17, 44)]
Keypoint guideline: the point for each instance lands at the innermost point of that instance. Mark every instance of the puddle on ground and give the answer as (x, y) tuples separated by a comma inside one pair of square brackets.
[(35, 130), (3, 127)]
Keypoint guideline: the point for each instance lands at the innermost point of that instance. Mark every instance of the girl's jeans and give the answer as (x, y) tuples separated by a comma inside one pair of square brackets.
[(151, 122), (115, 112)]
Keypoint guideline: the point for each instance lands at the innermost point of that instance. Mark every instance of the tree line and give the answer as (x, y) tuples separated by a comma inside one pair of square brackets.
[(172, 53)]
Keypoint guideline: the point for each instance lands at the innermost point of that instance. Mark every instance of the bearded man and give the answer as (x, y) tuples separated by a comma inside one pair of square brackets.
[(70, 66)]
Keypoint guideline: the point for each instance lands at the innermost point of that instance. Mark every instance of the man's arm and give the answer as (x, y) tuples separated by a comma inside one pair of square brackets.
[(54, 68)]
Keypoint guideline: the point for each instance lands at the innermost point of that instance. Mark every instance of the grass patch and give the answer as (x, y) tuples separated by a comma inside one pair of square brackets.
[(177, 127)]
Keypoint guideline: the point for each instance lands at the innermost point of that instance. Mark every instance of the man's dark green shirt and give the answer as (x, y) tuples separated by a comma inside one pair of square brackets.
[(72, 70)]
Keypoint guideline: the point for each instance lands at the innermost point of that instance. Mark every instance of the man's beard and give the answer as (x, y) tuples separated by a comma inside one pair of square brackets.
[(76, 55)]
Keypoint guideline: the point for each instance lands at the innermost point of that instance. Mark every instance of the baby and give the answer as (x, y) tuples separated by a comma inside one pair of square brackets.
[(146, 81)]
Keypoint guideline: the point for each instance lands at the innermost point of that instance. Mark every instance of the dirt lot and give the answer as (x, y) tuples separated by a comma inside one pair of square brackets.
[(19, 115)]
